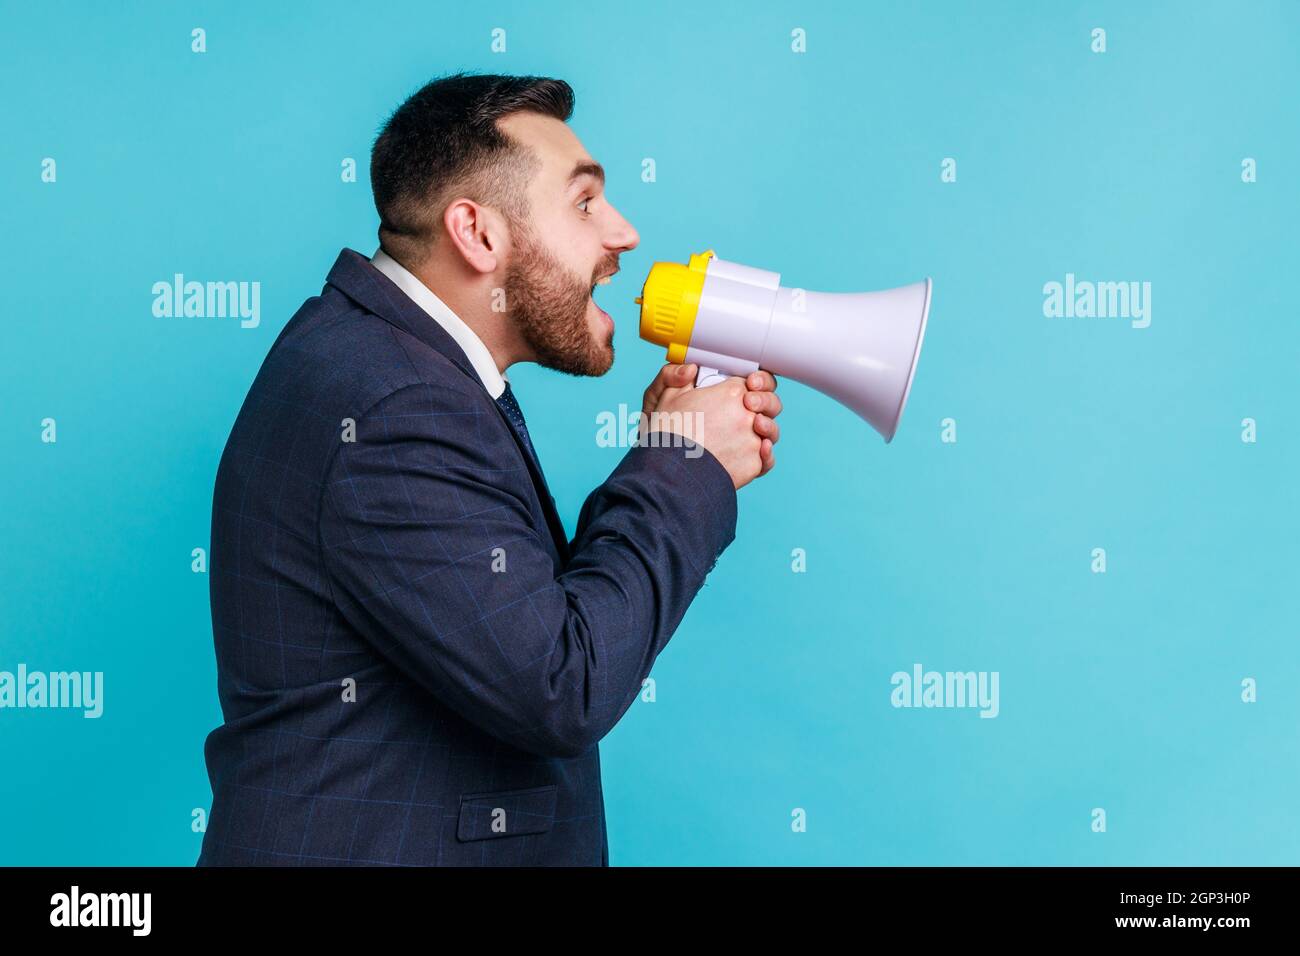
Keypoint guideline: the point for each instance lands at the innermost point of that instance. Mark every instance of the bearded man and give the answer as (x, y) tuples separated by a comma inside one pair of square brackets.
[(415, 663)]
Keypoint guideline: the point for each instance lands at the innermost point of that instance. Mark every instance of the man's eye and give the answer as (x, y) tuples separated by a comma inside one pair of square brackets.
[(583, 203)]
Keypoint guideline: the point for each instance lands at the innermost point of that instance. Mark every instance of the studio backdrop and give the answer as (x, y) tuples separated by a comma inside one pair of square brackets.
[(1052, 622)]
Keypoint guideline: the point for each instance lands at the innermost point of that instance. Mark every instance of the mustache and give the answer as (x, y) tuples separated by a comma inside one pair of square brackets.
[(605, 268)]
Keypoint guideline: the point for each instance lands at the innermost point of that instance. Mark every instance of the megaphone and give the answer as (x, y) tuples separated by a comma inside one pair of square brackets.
[(860, 348)]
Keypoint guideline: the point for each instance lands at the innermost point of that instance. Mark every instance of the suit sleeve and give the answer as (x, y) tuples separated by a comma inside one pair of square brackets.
[(433, 556)]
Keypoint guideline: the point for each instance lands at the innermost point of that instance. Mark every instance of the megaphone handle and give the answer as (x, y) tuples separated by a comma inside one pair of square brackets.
[(708, 376)]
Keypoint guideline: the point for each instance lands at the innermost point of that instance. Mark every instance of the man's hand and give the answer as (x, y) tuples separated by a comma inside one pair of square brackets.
[(738, 417), (763, 401)]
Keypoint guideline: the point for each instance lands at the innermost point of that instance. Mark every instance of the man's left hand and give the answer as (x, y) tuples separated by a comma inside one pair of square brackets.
[(762, 399)]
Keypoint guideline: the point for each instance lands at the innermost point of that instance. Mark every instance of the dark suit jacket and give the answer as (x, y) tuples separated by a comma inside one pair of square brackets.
[(391, 694)]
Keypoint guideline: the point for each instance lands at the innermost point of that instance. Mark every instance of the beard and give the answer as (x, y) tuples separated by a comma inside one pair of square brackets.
[(548, 305)]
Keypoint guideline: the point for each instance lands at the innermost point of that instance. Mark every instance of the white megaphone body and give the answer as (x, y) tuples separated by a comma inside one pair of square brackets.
[(859, 348)]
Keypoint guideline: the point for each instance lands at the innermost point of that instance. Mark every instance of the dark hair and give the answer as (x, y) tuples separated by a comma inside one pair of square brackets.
[(444, 140)]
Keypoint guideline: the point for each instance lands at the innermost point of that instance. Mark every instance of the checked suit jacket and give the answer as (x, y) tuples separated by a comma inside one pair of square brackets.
[(414, 665)]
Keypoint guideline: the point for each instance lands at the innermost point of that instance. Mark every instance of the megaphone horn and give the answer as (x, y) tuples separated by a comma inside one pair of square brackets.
[(860, 348)]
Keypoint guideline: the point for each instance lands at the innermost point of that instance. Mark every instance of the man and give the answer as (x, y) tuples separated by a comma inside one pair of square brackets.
[(414, 664)]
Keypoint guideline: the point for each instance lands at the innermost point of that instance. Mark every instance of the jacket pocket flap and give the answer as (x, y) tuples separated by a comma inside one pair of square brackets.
[(505, 813)]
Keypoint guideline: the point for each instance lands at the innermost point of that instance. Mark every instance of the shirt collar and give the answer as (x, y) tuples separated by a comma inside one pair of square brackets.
[(440, 312)]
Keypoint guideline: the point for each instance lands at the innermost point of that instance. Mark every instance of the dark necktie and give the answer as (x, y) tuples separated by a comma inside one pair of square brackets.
[(515, 416)]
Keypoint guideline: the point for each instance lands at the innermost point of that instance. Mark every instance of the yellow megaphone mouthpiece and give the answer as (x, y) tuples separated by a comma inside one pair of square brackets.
[(670, 301)]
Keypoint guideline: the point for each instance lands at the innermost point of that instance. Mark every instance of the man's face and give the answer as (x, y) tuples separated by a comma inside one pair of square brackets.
[(573, 240)]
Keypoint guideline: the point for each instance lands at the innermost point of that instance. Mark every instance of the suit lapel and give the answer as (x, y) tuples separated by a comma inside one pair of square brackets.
[(357, 278)]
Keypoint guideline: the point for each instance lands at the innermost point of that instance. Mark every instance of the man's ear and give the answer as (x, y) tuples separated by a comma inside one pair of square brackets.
[(477, 233)]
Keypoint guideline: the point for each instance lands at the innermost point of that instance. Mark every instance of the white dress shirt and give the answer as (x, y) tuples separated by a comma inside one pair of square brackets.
[(419, 293)]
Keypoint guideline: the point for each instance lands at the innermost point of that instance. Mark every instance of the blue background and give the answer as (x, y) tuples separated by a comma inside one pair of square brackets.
[(1118, 690)]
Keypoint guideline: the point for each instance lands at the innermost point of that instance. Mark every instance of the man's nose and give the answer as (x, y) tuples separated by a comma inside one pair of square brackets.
[(622, 235)]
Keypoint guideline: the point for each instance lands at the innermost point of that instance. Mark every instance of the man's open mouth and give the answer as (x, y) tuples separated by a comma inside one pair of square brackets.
[(603, 280)]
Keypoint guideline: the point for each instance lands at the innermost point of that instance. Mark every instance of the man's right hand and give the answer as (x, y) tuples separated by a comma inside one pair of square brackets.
[(715, 417)]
